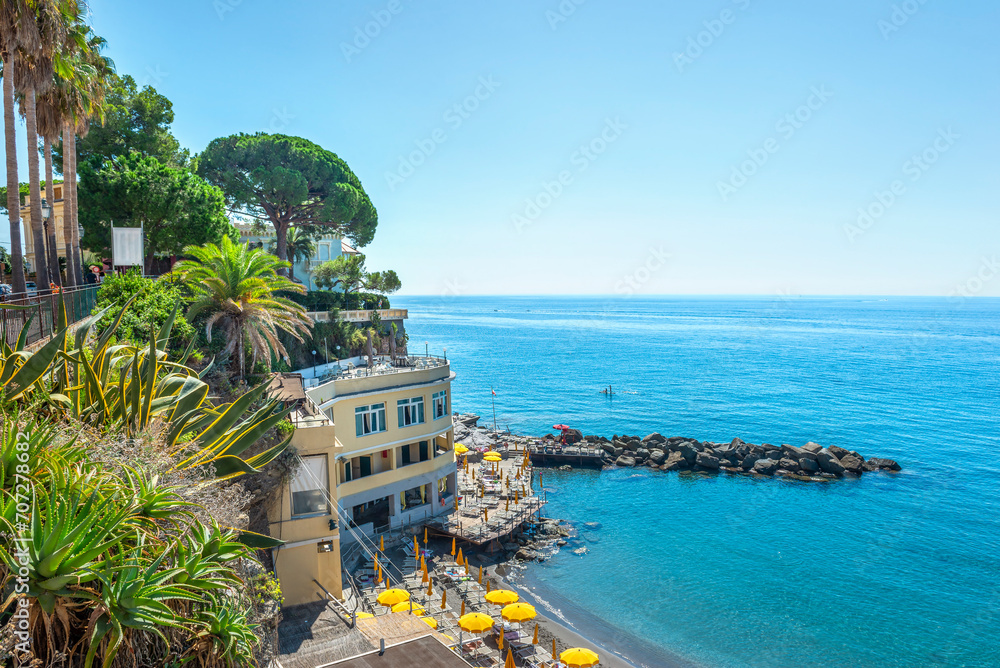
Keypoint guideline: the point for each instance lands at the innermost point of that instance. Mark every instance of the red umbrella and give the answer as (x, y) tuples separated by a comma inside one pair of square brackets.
[(561, 427)]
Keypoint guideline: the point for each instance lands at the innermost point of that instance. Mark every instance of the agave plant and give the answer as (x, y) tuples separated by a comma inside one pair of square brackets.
[(227, 635)]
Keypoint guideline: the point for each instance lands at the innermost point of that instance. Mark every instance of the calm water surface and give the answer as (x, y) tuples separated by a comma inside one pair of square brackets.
[(888, 570)]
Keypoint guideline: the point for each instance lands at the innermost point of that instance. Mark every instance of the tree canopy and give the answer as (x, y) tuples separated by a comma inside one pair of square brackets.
[(134, 120), (350, 274), (176, 207), (290, 182)]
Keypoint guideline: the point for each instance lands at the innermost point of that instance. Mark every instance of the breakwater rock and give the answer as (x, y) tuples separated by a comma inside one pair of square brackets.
[(810, 461), (678, 453)]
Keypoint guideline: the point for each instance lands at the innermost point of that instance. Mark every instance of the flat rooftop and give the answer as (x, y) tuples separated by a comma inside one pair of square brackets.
[(425, 652)]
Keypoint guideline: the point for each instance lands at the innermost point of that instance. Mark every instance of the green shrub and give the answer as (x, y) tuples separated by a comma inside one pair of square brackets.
[(150, 310)]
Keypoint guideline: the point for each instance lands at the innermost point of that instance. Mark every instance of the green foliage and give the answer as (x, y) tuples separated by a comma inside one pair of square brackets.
[(237, 288), (348, 272), (152, 303), (101, 575), (291, 182), (133, 120), (174, 206)]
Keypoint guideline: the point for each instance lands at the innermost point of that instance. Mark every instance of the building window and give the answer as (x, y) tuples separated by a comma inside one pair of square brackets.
[(369, 419), (440, 404), (310, 487), (324, 252), (424, 451), (413, 498), (411, 411), (404, 455)]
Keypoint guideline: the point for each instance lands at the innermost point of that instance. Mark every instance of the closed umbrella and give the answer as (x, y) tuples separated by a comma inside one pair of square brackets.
[(444, 597), (554, 657), (453, 547), (461, 557), (509, 663), (430, 592), (425, 535), (463, 608), (381, 543), (579, 657), (534, 641)]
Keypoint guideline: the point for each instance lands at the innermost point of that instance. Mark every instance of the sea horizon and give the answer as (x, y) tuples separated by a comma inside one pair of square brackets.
[(755, 572)]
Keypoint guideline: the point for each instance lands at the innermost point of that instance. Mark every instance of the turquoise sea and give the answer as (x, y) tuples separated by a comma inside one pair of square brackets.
[(887, 570)]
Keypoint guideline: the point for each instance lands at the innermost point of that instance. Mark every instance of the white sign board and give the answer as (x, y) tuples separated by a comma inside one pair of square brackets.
[(126, 246)]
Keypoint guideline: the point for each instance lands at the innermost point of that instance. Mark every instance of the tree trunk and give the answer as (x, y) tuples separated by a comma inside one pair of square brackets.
[(68, 231), (281, 243), (34, 192), (50, 233), (239, 349), (13, 189), (75, 224)]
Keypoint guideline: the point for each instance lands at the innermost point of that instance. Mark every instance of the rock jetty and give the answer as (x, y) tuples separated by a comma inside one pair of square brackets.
[(809, 462)]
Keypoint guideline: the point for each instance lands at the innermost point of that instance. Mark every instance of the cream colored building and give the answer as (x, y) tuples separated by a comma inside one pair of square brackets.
[(56, 219), (377, 450)]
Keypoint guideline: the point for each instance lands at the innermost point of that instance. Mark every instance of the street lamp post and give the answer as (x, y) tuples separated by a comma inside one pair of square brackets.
[(48, 252), (314, 364)]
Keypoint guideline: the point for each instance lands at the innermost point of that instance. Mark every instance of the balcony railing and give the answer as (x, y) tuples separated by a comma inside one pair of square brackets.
[(361, 316), (42, 310)]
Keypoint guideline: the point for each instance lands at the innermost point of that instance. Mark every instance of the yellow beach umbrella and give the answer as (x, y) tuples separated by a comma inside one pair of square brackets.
[(416, 546), (391, 597), (364, 615), (492, 457), (475, 622), (487, 586), (425, 535), (430, 592), (579, 657), (461, 557), (444, 597), (509, 663), (430, 621), (480, 575), (461, 449), (453, 547), (518, 612), (534, 641), (502, 597), (500, 640), (405, 607), (381, 543), (462, 613)]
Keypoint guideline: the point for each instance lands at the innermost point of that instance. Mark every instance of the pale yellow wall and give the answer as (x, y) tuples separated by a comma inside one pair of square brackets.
[(57, 216), (299, 564), (297, 567)]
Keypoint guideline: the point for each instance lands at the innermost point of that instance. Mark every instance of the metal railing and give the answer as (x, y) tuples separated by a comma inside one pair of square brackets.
[(42, 312)]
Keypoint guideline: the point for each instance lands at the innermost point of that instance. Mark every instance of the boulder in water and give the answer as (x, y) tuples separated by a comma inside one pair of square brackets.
[(625, 461), (809, 465), (765, 466), (657, 457), (829, 462), (708, 461), (852, 463), (884, 464), (675, 462)]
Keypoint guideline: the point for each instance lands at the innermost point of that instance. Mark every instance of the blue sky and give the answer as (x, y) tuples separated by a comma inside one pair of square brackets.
[(667, 147)]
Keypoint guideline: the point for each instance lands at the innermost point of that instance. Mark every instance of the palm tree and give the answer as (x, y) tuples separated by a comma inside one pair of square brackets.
[(237, 285), (298, 246), (26, 48), (82, 99)]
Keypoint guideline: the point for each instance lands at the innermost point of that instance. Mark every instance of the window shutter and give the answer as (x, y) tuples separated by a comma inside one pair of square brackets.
[(400, 409), (359, 423), (420, 412)]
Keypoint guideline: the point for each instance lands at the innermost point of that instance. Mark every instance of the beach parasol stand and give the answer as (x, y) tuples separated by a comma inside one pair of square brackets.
[(579, 657)]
